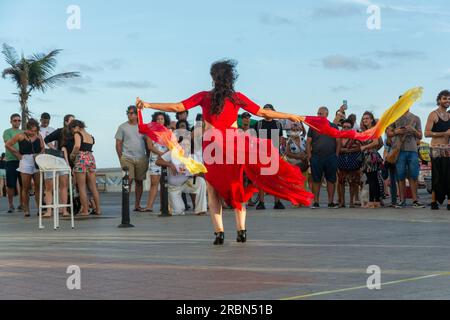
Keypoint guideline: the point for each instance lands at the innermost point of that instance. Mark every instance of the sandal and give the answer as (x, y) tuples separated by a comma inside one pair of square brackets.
[(139, 209), (147, 210)]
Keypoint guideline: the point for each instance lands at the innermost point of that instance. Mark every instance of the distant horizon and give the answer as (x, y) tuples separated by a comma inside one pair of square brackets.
[(296, 55)]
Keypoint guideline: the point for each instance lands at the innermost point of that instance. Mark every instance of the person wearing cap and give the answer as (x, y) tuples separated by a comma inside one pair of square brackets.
[(45, 129), (131, 148), (264, 129), (246, 117)]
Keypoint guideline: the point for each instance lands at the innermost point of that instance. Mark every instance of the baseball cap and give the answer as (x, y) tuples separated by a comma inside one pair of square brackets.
[(269, 106), (246, 115)]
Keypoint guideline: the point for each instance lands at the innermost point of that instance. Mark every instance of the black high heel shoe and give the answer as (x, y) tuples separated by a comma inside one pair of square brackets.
[(242, 236), (220, 238)]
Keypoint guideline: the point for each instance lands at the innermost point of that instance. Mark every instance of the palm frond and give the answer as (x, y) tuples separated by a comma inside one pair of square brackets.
[(11, 56), (44, 63), (53, 81), (13, 73)]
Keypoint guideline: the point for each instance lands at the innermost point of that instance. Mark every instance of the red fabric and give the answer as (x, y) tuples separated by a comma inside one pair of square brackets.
[(157, 132), (285, 181), (230, 109), (322, 126)]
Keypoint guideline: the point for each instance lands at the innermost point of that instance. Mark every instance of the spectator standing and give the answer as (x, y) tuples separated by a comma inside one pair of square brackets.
[(296, 149), (438, 129), (271, 130), (132, 153), (30, 145), (390, 168), (372, 161), (349, 165), (322, 153), (156, 150), (12, 163), (84, 166), (45, 129), (405, 133)]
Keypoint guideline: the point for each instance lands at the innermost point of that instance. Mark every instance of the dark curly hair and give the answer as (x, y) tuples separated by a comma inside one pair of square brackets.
[(224, 76), (443, 93), (165, 115), (32, 123), (77, 123)]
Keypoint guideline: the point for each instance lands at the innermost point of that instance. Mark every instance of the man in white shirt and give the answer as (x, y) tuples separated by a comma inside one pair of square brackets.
[(45, 129), (181, 181)]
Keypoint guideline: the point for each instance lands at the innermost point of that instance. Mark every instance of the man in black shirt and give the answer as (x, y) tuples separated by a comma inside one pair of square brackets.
[(322, 152), (265, 129)]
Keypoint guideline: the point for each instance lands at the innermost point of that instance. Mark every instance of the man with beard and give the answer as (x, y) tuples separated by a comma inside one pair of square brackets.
[(438, 129)]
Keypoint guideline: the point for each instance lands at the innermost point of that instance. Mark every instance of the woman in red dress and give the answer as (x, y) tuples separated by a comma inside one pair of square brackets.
[(222, 158)]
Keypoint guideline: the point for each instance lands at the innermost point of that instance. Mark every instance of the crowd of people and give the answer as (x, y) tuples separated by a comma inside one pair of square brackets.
[(373, 178), (71, 142)]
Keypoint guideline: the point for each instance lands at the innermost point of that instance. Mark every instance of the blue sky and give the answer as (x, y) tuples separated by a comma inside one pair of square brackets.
[(297, 55)]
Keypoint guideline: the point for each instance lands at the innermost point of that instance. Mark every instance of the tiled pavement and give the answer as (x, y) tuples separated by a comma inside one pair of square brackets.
[(296, 253)]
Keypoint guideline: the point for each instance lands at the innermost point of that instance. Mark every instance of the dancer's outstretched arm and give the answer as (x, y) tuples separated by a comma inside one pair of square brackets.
[(269, 114), (166, 107)]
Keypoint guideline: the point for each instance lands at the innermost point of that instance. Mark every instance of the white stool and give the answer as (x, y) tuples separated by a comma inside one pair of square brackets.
[(48, 163)]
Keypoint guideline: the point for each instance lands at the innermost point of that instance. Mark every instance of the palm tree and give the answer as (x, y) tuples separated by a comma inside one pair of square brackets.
[(32, 73)]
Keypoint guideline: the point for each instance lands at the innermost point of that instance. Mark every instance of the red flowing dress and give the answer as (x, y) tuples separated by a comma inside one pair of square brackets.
[(232, 158)]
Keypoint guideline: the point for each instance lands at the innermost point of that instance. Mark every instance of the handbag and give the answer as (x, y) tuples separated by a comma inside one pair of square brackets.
[(392, 156)]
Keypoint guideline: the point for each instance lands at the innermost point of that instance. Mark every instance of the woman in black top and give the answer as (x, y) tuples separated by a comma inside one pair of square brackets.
[(84, 165), (30, 145)]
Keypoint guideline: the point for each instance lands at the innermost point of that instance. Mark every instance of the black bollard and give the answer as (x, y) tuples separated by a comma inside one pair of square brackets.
[(164, 194), (126, 200)]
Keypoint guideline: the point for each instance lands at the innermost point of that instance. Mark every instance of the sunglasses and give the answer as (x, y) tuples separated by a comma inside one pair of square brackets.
[(17, 120)]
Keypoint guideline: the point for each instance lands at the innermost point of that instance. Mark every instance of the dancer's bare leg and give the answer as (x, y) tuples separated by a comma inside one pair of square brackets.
[(241, 216), (215, 207)]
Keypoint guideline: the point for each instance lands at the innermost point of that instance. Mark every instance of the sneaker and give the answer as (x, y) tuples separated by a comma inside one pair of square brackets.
[(278, 205), (333, 206), (401, 205), (417, 205), (435, 206), (261, 206), (315, 205), (11, 210), (20, 208)]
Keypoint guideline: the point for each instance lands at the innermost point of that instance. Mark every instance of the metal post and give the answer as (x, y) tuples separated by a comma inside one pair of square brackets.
[(164, 194), (126, 200), (41, 196)]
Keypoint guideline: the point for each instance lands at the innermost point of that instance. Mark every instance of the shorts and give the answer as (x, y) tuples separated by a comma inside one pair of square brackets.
[(326, 165), (28, 165), (154, 169), (137, 168), (407, 165), (85, 163), (49, 175), (12, 175), (2, 173)]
